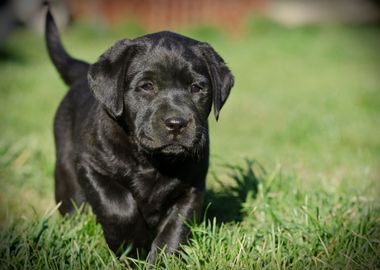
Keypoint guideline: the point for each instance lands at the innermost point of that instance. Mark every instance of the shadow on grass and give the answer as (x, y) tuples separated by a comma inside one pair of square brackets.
[(9, 55), (226, 203)]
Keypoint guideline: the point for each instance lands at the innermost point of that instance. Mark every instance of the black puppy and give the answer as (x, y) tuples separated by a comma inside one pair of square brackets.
[(132, 135)]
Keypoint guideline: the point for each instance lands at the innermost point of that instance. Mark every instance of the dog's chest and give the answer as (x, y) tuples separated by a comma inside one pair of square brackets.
[(155, 193)]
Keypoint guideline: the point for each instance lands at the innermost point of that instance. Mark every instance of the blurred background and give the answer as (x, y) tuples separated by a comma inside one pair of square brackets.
[(154, 15), (306, 97)]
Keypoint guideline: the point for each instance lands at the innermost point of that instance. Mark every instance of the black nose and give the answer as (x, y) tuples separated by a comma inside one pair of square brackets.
[(175, 124)]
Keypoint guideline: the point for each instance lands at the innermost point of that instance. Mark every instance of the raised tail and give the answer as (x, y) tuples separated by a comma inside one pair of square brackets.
[(69, 68)]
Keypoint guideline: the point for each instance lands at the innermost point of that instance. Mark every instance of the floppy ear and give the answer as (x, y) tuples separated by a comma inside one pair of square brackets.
[(106, 77), (222, 79)]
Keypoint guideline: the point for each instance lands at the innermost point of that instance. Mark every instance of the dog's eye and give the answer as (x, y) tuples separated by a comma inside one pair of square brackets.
[(195, 88), (147, 86)]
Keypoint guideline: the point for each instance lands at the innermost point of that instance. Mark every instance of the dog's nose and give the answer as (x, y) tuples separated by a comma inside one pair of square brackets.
[(175, 125)]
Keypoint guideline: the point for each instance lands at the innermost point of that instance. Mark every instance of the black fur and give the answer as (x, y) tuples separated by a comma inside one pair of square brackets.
[(132, 135)]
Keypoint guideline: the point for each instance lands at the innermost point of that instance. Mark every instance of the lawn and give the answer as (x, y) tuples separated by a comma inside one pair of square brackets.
[(295, 157)]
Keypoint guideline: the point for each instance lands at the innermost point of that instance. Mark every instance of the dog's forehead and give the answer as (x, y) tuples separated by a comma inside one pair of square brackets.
[(167, 38), (168, 44), (167, 51)]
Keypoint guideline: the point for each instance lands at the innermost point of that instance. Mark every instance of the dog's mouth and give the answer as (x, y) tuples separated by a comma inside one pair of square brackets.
[(168, 149), (173, 147)]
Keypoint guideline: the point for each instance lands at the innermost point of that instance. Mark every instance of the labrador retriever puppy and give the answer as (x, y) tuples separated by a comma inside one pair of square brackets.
[(131, 135)]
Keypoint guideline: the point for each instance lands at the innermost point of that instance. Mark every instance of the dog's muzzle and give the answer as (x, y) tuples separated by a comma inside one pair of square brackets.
[(170, 134)]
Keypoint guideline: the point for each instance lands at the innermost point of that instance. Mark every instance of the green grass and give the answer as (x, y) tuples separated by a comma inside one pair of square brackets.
[(306, 106)]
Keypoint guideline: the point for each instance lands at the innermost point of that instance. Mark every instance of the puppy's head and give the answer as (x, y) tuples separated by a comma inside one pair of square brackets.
[(162, 86)]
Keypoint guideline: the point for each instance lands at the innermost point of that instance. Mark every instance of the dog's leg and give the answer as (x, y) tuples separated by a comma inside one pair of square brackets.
[(172, 230), (116, 210), (67, 190)]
